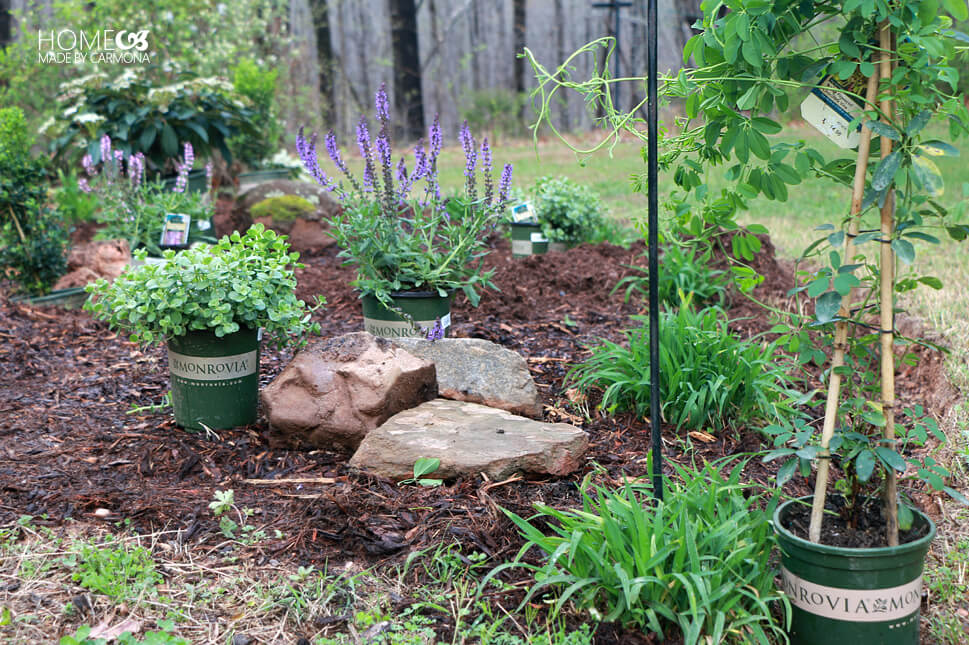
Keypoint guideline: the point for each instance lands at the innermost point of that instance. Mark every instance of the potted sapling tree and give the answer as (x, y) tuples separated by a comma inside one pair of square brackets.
[(411, 252), (211, 305)]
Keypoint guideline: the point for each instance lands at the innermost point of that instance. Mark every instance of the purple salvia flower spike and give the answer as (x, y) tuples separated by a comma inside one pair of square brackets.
[(88, 164), (105, 149), (307, 154), (83, 185), (486, 169), (363, 142), (382, 104), (504, 184)]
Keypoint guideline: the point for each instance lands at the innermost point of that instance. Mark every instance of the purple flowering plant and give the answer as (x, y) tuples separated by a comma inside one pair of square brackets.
[(130, 207), (396, 228)]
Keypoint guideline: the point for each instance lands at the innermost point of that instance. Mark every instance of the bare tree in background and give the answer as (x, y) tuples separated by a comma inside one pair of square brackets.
[(408, 97), (324, 57)]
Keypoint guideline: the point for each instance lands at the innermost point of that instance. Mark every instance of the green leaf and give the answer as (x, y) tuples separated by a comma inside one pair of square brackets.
[(786, 472), (826, 307), (865, 465), (918, 121), (904, 250), (752, 54), (885, 172), (905, 517), (818, 286), (937, 148), (425, 466), (891, 458), (765, 125), (884, 130), (759, 144), (958, 8), (929, 175), (931, 281), (845, 282), (169, 141)]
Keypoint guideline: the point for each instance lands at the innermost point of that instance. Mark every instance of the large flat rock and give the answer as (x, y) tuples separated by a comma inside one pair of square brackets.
[(469, 439), (479, 371)]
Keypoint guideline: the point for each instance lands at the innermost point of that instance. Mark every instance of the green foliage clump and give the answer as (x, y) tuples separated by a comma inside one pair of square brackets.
[(258, 86), (709, 377), (140, 115), (83, 637), (283, 208), (698, 561), (118, 570), (73, 203), (684, 270), (243, 281), (32, 239), (568, 211)]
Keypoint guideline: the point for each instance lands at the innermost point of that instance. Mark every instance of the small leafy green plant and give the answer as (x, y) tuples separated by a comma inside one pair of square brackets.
[(243, 281), (709, 376), (258, 87), (698, 561), (423, 466), (116, 569), (569, 212)]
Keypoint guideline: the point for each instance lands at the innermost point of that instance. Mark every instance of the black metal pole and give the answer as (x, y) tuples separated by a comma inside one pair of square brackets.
[(653, 240)]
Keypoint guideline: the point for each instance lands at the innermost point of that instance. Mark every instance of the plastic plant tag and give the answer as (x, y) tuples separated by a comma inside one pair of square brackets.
[(175, 231), (831, 112), (522, 213), (538, 238)]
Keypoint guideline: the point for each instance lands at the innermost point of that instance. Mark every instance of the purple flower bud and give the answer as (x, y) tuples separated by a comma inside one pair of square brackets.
[(382, 104), (83, 185), (189, 156), (307, 154), (420, 161), (363, 142), (435, 138), (504, 184), (486, 168), (436, 332), (105, 148), (88, 164)]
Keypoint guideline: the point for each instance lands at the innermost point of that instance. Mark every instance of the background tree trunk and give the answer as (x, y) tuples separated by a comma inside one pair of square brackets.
[(409, 100)]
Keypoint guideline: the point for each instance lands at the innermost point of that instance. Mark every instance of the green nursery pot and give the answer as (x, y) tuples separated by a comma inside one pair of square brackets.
[(852, 596), (527, 239), (425, 307), (215, 381)]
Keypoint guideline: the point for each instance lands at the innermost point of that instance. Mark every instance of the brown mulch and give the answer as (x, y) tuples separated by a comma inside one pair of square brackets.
[(68, 448)]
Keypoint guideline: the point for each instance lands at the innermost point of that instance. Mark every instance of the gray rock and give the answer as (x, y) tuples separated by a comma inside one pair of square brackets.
[(479, 371), (468, 439), (337, 390)]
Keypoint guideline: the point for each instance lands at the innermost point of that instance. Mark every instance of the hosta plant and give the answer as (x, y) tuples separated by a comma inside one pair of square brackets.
[(242, 281)]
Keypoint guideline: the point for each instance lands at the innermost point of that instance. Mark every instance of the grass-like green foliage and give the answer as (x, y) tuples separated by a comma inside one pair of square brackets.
[(698, 561), (283, 208), (243, 281), (684, 270), (32, 238), (709, 377), (569, 212), (118, 570)]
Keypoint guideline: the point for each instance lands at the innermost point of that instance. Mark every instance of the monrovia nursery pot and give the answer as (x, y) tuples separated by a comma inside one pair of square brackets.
[(215, 381), (197, 182), (851, 595), (67, 298), (426, 307), (527, 239), (253, 178)]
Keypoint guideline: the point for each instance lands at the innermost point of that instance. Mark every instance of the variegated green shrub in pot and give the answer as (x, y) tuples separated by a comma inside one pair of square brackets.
[(211, 306)]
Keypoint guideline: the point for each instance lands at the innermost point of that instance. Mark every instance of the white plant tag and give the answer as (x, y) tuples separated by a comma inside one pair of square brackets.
[(831, 112), (538, 238), (522, 213)]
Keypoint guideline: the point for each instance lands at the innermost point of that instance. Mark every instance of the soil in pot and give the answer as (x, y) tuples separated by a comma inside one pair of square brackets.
[(861, 529)]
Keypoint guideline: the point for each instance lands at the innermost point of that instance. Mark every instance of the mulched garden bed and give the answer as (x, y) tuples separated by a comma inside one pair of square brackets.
[(68, 448)]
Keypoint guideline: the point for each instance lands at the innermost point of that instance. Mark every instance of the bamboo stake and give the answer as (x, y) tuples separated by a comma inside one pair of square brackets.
[(887, 296), (841, 327)]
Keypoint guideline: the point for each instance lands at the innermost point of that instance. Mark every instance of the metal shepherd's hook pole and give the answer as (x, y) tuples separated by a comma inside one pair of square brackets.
[(653, 240)]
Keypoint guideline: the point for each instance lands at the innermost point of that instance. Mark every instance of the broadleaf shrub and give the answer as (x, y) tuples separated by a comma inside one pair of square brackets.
[(698, 561), (708, 376), (32, 238), (569, 212)]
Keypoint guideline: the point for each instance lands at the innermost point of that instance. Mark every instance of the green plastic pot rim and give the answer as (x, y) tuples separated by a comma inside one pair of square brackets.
[(52, 295), (854, 552)]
